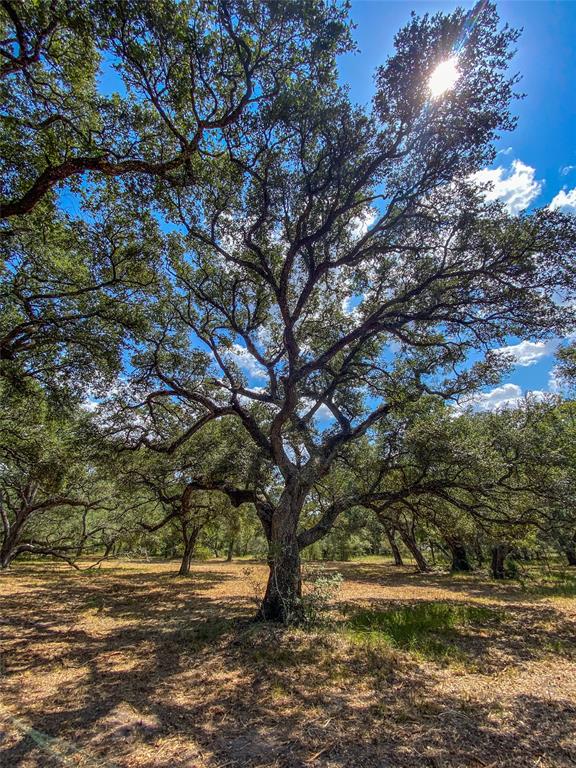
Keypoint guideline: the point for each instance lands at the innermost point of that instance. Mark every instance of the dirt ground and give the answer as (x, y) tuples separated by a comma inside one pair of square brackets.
[(130, 666)]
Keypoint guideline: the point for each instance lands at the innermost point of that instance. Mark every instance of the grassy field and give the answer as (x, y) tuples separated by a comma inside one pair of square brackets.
[(130, 666)]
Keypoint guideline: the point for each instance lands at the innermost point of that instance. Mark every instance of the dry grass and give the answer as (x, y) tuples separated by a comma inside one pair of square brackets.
[(129, 666)]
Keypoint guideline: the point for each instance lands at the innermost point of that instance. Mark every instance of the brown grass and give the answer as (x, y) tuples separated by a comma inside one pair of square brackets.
[(129, 666)]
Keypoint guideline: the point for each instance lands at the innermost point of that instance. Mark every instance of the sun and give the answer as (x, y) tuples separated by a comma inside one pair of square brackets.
[(444, 77)]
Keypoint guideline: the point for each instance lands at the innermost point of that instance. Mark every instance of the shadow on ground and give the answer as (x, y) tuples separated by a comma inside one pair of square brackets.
[(149, 671)]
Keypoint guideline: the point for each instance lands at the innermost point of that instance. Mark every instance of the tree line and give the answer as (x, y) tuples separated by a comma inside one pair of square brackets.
[(232, 298), (464, 491)]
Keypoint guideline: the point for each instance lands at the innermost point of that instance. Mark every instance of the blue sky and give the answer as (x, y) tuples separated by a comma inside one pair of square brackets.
[(537, 163)]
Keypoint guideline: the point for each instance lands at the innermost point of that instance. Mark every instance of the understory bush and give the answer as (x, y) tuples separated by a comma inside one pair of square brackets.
[(319, 588)]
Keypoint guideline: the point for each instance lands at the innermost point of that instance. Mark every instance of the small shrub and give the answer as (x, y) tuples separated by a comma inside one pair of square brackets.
[(319, 588), (511, 568), (135, 553), (202, 553)]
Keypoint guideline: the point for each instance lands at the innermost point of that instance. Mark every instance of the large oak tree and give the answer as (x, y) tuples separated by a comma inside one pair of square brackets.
[(341, 262)]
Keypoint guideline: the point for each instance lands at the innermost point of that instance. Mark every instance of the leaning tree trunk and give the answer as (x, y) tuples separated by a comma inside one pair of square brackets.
[(410, 543), (6, 556), (390, 534), (459, 554), (12, 538), (4, 561), (282, 600), (499, 554), (189, 537), (6, 550)]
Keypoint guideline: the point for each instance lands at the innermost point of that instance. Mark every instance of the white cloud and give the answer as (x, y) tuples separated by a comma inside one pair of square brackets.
[(361, 223), (565, 200), (515, 186), (350, 306), (248, 401), (323, 413), (506, 396), (529, 352), (246, 362), (566, 169), (555, 383), (506, 151)]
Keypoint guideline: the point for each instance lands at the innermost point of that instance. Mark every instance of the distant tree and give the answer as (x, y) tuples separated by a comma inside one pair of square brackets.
[(175, 500), (549, 440), (492, 479), (201, 485), (190, 510), (52, 501)]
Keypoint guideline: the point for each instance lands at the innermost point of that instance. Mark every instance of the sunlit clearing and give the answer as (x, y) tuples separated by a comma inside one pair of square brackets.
[(444, 77)]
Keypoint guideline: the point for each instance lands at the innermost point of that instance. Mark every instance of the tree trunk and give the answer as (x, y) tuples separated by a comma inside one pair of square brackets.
[(390, 534), (230, 551), (570, 550), (5, 558), (460, 560), (189, 544), (11, 535), (5, 533), (479, 554), (9, 548), (282, 600), (410, 543), (499, 553)]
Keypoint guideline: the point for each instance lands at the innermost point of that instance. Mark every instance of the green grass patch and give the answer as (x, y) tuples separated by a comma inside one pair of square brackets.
[(553, 584), (428, 630)]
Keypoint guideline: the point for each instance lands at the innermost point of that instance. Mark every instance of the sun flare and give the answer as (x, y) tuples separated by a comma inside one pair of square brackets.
[(444, 77)]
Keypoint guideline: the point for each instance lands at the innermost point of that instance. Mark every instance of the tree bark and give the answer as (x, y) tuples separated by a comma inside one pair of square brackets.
[(6, 546), (460, 562), (499, 553), (570, 551), (282, 600), (5, 558), (12, 537), (230, 551), (189, 538), (410, 543), (390, 534)]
